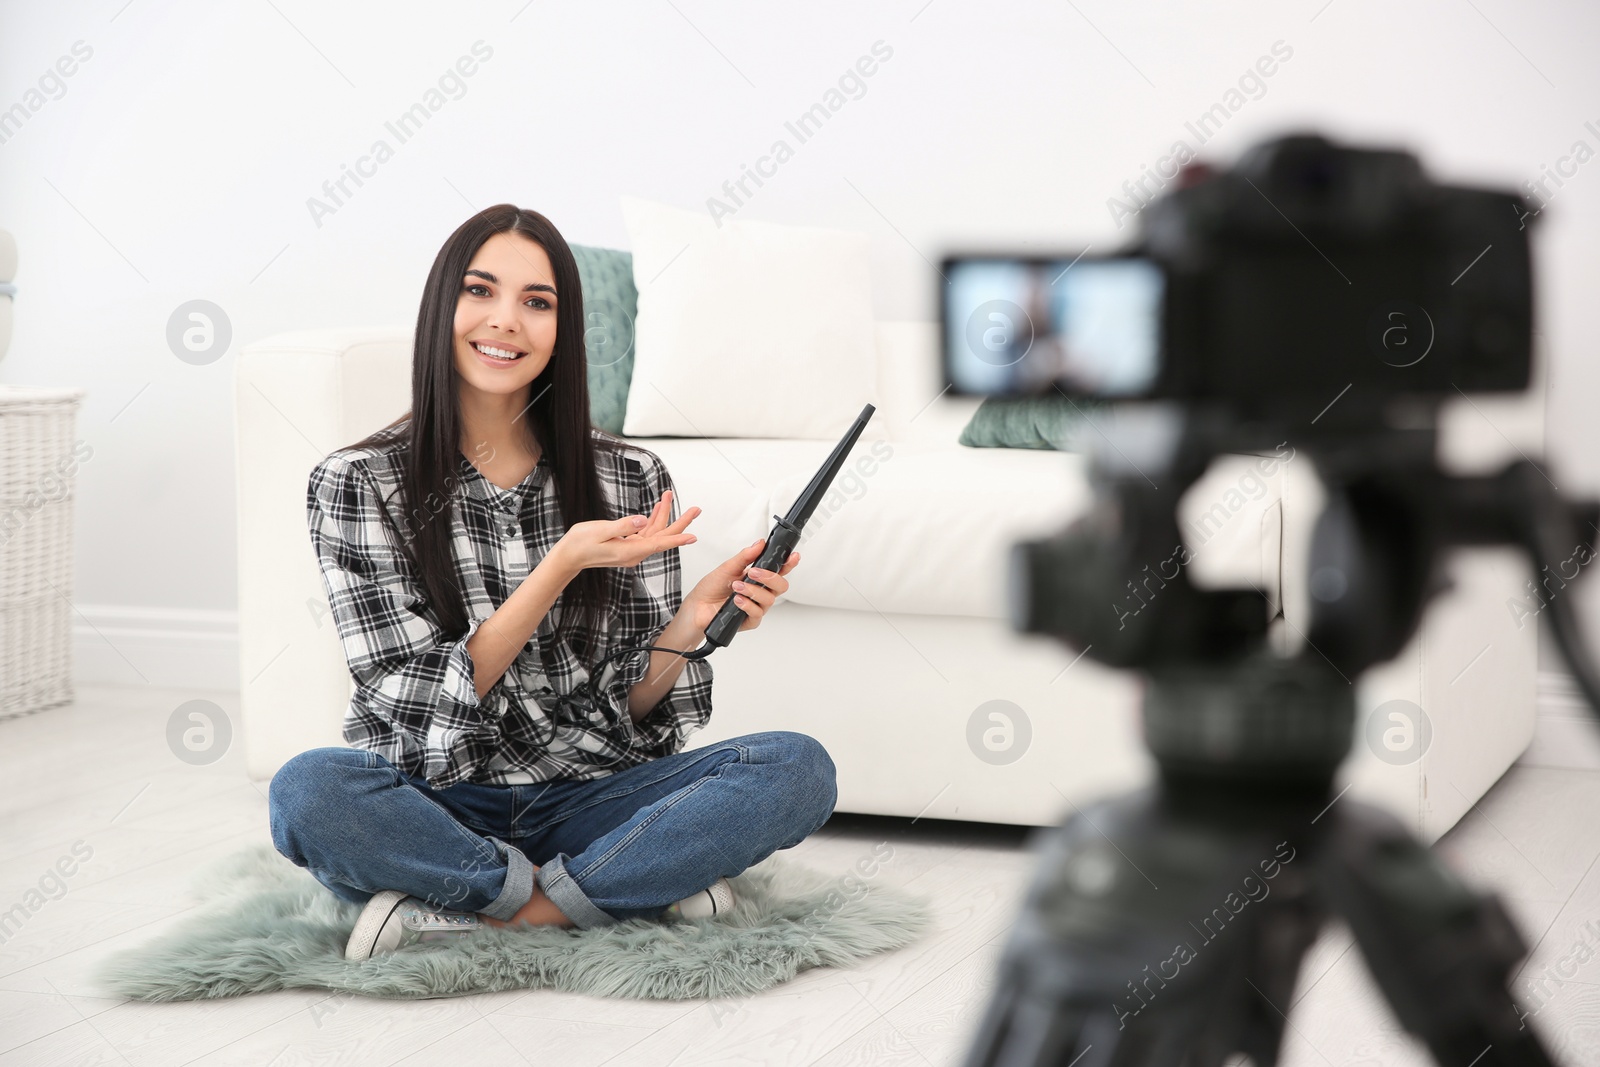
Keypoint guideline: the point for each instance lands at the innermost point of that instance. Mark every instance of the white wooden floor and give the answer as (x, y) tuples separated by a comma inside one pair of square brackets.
[(99, 772)]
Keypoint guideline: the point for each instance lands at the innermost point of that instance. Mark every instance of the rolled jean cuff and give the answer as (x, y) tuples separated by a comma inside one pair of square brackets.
[(565, 894), (518, 888)]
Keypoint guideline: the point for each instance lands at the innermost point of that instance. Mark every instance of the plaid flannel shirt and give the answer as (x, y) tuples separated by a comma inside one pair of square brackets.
[(415, 703)]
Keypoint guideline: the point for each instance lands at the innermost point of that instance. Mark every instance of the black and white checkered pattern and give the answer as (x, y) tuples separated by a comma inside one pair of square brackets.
[(415, 703)]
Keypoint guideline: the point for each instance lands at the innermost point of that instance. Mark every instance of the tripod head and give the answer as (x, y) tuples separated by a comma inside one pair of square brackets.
[(1377, 558)]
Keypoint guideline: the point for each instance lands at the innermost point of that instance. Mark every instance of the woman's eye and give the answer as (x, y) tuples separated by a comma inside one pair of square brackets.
[(540, 304)]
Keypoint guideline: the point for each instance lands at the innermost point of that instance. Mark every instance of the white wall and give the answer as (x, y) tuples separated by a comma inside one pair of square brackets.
[(178, 162)]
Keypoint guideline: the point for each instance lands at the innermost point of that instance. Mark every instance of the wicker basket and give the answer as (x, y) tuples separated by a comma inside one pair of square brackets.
[(38, 465)]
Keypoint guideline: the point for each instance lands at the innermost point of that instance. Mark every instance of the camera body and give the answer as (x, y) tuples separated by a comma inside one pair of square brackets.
[(1306, 270)]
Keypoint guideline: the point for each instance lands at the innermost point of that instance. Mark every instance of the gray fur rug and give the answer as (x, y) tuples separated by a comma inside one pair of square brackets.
[(264, 924)]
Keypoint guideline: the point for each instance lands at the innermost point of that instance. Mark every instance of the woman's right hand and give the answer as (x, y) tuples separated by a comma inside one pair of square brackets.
[(623, 542)]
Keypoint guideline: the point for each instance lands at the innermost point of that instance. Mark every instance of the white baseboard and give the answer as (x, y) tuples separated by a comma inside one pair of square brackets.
[(1558, 694), (171, 648), (1566, 733)]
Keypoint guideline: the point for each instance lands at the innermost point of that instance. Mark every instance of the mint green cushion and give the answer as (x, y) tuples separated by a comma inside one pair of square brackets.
[(610, 304), (1046, 421)]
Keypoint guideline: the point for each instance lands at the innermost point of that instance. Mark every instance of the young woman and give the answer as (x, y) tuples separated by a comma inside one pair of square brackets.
[(483, 555)]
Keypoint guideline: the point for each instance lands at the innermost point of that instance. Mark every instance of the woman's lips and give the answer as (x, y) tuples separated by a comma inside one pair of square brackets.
[(491, 361)]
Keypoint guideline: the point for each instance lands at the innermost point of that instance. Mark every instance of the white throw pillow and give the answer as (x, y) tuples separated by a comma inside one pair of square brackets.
[(750, 329)]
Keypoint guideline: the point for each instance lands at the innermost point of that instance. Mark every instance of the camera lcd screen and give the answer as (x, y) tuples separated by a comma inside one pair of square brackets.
[(1016, 326)]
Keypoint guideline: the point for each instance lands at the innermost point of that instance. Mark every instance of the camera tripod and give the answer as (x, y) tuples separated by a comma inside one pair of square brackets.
[(1169, 926)]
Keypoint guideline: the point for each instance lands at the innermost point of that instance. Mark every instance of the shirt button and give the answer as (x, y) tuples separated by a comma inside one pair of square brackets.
[(511, 531)]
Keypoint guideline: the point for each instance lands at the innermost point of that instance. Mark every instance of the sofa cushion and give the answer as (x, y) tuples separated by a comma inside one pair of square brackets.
[(610, 304), (906, 527), (1047, 421), (748, 329), (927, 529)]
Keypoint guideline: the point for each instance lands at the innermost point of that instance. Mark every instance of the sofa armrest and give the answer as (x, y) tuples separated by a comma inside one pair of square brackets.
[(298, 397)]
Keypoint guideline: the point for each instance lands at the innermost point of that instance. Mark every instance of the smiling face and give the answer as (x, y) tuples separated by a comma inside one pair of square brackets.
[(507, 303)]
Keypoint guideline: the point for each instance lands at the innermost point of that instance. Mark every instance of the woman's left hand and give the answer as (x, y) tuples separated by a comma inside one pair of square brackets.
[(754, 589)]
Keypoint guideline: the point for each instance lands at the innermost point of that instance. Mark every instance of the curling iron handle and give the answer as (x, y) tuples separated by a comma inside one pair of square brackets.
[(780, 542)]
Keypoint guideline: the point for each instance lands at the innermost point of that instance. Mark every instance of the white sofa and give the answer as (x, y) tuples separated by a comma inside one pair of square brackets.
[(894, 632)]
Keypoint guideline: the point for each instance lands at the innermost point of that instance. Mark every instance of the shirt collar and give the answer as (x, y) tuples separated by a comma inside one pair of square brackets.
[(506, 499)]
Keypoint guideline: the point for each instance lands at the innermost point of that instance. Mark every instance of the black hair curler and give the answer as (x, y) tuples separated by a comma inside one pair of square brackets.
[(784, 536)]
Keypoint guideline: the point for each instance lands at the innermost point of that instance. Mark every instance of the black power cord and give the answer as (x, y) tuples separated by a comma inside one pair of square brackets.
[(584, 699)]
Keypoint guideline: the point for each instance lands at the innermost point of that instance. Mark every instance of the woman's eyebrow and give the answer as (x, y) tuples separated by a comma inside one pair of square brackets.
[(531, 287)]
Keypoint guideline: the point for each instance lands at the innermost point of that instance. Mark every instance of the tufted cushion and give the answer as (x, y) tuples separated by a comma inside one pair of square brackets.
[(610, 303), (1047, 421)]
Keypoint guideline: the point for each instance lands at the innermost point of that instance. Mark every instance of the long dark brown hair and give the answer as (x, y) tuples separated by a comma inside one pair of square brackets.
[(557, 420)]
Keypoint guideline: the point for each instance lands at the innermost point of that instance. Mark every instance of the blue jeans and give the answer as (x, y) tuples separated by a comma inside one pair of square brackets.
[(620, 847)]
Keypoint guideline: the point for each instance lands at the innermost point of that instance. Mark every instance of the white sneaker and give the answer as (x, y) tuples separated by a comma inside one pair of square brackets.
[(391, 921), (717, 899)]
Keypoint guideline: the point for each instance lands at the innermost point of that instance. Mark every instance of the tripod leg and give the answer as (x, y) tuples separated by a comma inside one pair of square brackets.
[(1148, 938), (1441, 952)]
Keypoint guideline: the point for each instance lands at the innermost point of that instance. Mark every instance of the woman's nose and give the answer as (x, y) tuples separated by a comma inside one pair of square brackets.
[(504, 316)]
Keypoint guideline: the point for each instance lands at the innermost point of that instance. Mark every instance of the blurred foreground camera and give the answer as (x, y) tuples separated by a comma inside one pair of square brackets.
[(1305, 269), (1332, 298)]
